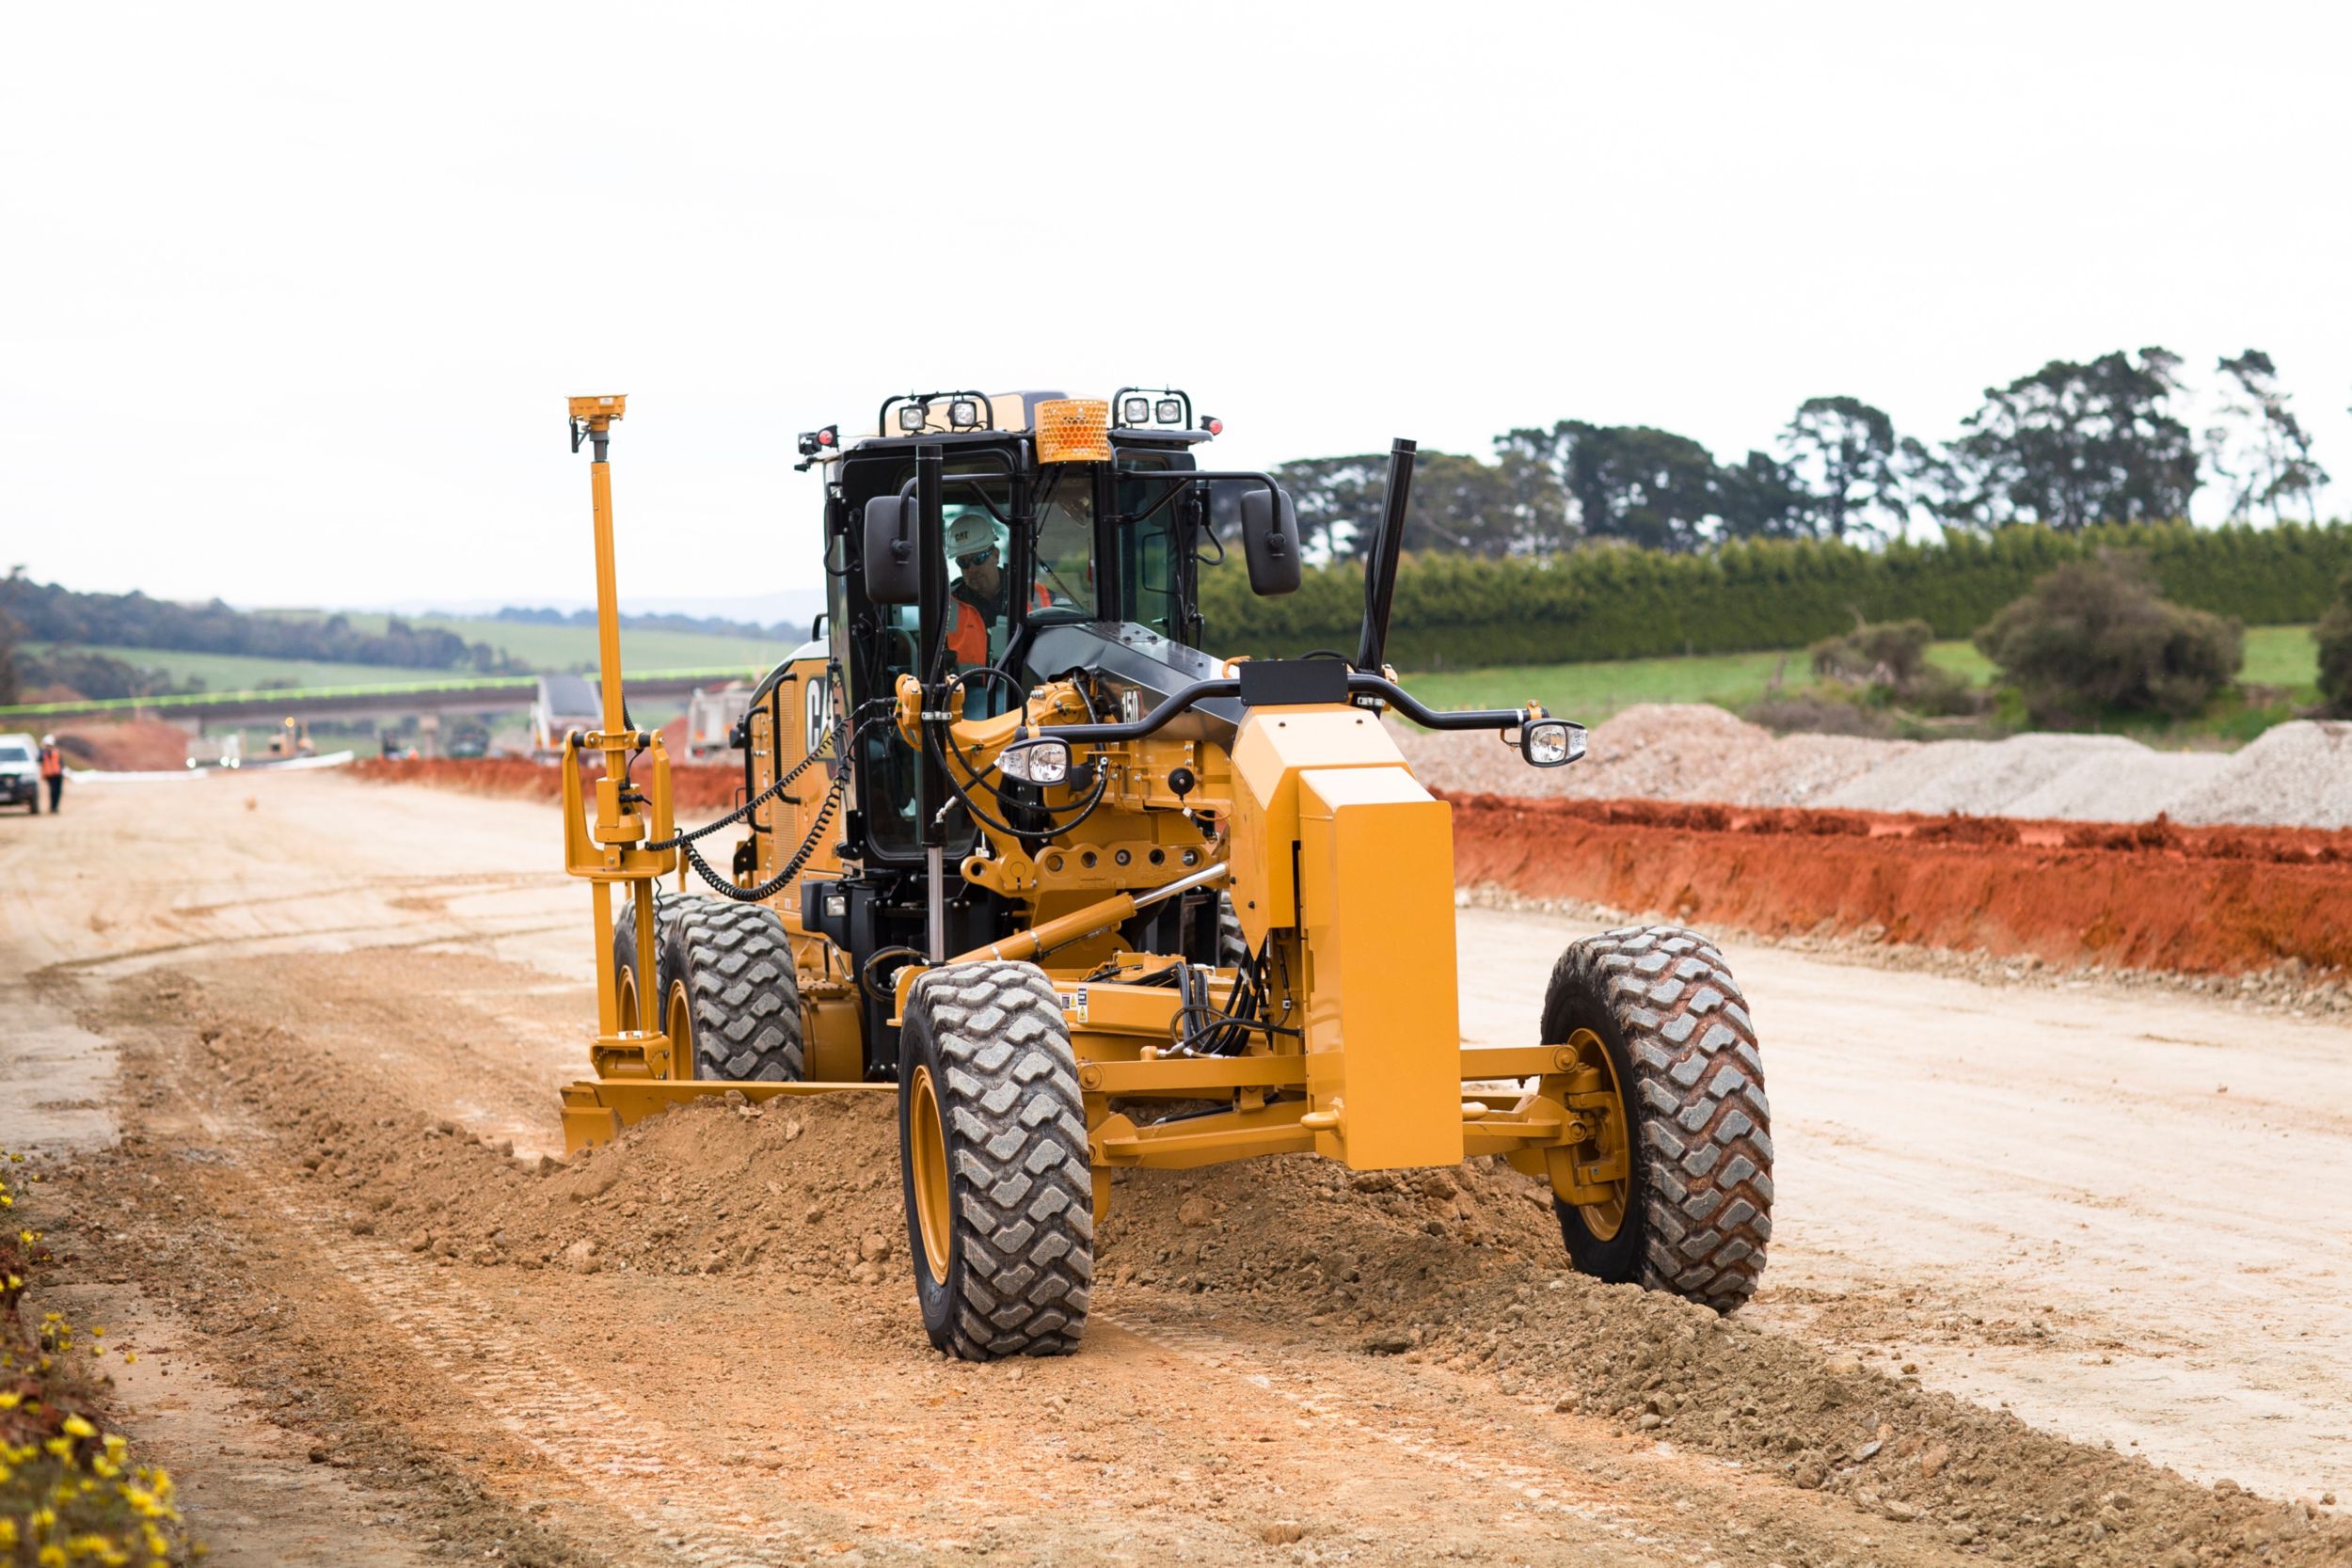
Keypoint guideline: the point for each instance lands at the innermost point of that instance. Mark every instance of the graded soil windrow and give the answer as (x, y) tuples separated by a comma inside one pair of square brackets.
[(2152, 895)]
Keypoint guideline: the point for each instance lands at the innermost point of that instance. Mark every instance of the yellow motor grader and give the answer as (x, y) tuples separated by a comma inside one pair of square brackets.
[(1082, 894)]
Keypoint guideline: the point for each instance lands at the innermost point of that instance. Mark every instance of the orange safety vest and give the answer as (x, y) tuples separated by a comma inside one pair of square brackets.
[(968, 637), (52, 765)]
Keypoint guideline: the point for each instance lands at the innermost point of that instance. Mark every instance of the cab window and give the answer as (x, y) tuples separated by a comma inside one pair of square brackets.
[(1066, 584)]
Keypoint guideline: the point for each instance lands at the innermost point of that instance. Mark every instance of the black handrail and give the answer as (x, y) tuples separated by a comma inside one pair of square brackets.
[(1358, 686)]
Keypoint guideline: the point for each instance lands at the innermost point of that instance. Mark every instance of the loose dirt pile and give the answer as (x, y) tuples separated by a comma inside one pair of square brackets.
[(2297, 774), (1460, 1268), (2154, 895)]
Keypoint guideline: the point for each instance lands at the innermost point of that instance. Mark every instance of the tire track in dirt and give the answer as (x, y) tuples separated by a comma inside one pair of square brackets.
[(615, 1454), (1548, 1491)]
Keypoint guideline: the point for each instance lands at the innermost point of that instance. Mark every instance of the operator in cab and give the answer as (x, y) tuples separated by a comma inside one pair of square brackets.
[(979, 607)]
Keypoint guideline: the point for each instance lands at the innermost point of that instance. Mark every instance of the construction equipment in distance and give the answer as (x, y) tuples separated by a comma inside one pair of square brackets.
[(1085, 895)]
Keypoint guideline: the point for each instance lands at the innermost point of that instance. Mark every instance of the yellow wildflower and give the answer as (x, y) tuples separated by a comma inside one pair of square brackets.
[(76, 1426)]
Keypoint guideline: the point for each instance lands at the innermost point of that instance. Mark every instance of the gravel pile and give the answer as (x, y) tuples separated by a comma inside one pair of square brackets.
[(2297, 775), (2097, 790), (1985, 779)]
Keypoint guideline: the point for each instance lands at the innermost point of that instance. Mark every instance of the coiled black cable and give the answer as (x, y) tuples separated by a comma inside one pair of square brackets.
[(845, 742)]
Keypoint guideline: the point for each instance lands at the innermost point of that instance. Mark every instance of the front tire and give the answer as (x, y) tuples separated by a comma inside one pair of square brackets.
[(734, 996), (1694, 1212), (1233, 947), (993, 1147), (634, 993)]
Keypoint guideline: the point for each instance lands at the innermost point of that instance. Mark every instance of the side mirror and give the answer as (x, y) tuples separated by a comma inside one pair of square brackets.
[(893, 575), (1269, 535)]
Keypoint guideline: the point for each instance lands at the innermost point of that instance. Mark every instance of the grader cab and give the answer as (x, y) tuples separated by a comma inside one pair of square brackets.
[(1085, 895)]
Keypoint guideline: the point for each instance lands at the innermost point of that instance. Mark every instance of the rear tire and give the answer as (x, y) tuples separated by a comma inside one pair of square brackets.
[(1697, 1210), (733, 1007), (993, 1150)]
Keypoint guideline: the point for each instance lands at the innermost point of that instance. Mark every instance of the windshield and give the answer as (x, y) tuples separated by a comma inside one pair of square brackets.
[(1066, 586), (15, 753)]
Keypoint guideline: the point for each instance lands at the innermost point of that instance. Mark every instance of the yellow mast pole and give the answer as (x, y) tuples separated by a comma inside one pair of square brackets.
[(609, 856), (593, 417)]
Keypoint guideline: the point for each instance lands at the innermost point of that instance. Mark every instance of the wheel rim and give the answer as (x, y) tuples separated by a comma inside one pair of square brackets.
[(628, 1001), (679, 1026), (1609, 1140), (927, 1156)]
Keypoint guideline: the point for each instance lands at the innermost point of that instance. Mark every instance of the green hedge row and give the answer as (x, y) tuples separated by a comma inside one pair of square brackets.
[(1616, 603)]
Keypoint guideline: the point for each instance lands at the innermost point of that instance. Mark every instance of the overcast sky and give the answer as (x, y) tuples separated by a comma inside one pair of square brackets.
[(291, 297)]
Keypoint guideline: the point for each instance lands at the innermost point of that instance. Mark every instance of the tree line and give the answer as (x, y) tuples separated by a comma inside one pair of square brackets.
[(2072, 445), (1461, 610), (46, 612)]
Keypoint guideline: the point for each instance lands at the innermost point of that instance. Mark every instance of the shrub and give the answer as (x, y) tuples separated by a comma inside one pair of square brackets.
[(2334, 633), (1890, 654), (1888, 663), (2100, 634)]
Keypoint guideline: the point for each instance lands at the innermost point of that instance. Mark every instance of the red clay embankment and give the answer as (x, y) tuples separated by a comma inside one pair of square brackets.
[(2154, 895), (2223, 900)]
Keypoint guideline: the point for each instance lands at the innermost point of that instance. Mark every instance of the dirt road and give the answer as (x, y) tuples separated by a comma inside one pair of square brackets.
[(290, 1045)]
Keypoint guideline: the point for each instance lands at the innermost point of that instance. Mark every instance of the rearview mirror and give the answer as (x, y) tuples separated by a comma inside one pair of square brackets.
[(893, 575), (1269, 536)]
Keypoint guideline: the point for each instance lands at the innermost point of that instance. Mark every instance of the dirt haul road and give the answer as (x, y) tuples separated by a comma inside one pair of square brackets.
[(290, 1044)]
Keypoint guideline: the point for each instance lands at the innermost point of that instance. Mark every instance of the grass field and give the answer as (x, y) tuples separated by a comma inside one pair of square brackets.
[(575, 647), (238, 673), (2275, 656)]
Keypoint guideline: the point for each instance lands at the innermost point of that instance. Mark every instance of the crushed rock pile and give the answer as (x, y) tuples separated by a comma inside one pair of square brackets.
[(2297, 774)]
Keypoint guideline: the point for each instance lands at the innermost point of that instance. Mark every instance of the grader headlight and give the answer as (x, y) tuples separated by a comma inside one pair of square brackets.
[(1074, 430), (1550, 742), (1041, 761)]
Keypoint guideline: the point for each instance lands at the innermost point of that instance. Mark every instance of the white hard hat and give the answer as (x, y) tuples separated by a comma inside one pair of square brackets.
[(49, 740), (969, 534)]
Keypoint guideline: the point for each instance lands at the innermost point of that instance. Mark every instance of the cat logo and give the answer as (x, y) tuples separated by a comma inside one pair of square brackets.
[(819, 715)]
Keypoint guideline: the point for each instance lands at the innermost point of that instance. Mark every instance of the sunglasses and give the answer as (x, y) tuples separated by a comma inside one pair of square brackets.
[(980, 558)]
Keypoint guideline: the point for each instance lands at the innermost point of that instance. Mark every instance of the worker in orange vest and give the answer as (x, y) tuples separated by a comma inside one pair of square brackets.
[(977, 601), (52, 768)]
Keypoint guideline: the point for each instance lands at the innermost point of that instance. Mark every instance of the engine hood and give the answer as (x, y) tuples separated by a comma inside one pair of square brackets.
[(1141, 668)]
